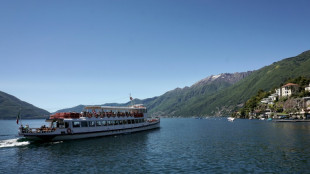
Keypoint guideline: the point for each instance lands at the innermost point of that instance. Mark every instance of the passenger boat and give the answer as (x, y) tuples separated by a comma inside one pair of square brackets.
[(95, 121)]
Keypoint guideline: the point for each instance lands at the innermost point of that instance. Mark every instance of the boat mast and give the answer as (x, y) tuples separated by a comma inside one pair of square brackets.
[(19, 117)]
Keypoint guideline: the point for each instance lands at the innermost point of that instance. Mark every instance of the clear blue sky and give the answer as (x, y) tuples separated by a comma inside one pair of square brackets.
[(58, 54)]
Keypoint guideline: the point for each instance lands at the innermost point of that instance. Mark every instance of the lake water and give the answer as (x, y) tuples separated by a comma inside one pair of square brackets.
[(179, 146)]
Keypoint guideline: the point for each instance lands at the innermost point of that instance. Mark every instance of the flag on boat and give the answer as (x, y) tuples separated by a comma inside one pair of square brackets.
[(18, 117), (131, 98)]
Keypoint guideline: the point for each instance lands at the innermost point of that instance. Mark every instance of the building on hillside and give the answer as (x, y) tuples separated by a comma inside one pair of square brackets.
[(289, 89), (306, 103), (273, 97), (270, 100), (279, 92), (307, 88), (306, 108), (255, 114)]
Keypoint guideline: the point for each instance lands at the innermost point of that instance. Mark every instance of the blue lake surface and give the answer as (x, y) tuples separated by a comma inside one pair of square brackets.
[(180, 146)]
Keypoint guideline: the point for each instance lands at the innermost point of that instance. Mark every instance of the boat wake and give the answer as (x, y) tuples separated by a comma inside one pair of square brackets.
[(13, 143)]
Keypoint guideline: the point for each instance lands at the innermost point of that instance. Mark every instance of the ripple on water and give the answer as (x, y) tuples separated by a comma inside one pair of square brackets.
[(179, 146)]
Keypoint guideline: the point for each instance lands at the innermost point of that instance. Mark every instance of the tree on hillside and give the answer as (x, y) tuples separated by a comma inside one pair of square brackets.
[(254, 103)]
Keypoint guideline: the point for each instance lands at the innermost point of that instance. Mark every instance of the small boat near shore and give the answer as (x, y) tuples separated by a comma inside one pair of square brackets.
[(96, 121), (231, 119)]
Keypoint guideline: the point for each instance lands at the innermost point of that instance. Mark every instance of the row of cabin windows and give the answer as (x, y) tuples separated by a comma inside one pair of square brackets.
[(105, 122)]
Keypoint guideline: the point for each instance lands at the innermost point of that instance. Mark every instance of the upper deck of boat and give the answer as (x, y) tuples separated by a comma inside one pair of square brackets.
[(104, 111), (138, 107)]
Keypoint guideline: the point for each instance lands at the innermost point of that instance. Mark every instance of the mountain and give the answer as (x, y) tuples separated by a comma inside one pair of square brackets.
[(267, 78), (80, 108), (176, 102), (223, 94), (172, 101), (10, 105)]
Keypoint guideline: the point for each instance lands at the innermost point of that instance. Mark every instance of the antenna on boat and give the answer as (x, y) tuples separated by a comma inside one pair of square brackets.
[(19, 117)]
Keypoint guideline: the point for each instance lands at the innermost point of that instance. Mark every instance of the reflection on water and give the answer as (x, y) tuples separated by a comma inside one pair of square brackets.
[(110, 153), (179, 146)]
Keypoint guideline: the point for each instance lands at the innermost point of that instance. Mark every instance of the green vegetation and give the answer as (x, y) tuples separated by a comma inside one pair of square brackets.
[(254, 103), (183, 102), (267, 78), (229, 99)]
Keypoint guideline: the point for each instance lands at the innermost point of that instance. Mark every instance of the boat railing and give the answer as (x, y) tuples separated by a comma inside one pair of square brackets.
[(111, 114), (37, 130)]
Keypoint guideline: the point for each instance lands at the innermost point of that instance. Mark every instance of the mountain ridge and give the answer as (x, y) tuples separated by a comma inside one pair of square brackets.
[(179, 96), (265, 78), (10, 106)]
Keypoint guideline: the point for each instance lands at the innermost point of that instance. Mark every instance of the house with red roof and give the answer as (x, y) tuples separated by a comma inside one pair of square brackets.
[(288, 89)]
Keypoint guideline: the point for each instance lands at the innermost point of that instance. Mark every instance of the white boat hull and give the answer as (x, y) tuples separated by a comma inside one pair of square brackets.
[(62, 135)]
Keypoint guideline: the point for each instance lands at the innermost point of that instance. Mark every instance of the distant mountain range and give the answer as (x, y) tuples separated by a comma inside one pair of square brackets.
[(10, 106), (216, 95), (169, 104), (80, 108)]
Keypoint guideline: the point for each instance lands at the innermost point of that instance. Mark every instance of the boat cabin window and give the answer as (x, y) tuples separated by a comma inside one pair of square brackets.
[(104, 123), (84, 124), (76, 124), (58, 124), (66, 124), (98, 123), (55, 124), (91, 124)]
